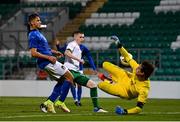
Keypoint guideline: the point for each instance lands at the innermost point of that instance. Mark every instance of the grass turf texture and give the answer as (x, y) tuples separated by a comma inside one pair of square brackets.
[(27, 109)]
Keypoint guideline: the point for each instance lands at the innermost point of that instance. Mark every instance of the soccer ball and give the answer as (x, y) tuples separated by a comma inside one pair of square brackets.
[(123, 61)]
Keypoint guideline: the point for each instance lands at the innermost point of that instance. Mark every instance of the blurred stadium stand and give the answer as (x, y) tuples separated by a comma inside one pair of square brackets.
[(147, 28), (149, 33)]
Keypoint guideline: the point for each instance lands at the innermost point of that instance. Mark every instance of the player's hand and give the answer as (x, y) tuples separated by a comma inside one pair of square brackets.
[(52, 59), (116, 40), (57, 41), (82, 61), (96, 72), (119, 110), (59, 54)]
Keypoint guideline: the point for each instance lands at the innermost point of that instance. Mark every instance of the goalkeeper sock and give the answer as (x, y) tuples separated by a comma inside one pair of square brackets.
[(64, 90), (93, 93), (56, 91)]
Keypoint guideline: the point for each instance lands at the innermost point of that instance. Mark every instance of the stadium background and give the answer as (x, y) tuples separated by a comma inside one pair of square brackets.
[(149, 30)]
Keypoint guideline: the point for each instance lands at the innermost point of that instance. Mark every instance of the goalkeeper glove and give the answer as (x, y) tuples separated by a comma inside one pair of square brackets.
[(117, 41), (121, 111)]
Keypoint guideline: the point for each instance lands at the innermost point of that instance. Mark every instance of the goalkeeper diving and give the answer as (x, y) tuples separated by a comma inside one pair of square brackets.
[(125, 84)]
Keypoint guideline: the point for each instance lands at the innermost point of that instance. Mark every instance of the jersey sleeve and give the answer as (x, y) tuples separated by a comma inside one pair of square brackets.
[(143, 94), (134, 110), (70, 47), (133, 64), (33, 41), (131, 61)]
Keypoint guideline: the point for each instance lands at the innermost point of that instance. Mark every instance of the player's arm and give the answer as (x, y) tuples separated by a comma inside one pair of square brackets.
[(142, 97), (128, 58), (129, 73), (125, 53), (54, 51), (87, 53), (70, 55), (57, 53), (61, 48), (36, 54), (33, 44), (135, 110)]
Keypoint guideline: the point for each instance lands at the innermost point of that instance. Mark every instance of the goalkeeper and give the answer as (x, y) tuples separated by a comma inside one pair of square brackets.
[(125, 84)]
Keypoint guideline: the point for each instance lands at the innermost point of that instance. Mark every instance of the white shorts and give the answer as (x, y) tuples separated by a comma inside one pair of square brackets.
[(56, 70)]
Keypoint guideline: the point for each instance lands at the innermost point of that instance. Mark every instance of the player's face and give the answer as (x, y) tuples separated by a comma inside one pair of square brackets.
[(36, 23), (139, 71), (80, 38)]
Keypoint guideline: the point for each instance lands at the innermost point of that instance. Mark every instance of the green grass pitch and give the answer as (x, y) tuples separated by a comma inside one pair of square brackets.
[(27, 109)]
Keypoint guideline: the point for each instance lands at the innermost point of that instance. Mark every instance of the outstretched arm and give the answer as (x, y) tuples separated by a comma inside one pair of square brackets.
[(86, 52), (36, 54), (121, 111), (142, 97), (70, 55), (136, 109), (124, 52)]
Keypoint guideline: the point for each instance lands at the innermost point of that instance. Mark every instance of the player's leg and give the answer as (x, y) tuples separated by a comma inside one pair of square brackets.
[(76, 93), (68, 81), (63, 94), (55, 93), (73, 91), (69, 77), (103, 77), (79, 93), (47, 106), (94, 96), (85, 81), (115, 89), (56, 71), (116, 72)]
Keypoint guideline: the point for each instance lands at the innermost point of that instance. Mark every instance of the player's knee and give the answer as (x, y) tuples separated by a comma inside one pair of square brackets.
[(91, 84), (68, 76)]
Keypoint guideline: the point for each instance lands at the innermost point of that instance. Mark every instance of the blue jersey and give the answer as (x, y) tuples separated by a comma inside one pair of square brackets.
[(38, 41), (85, 52)]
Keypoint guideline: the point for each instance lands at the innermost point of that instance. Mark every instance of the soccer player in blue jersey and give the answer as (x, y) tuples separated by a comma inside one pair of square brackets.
[(76, 93), (40, 49)]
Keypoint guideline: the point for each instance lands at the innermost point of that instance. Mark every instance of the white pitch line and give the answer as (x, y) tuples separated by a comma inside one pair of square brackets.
[(87, 114), (167, 113), (45, 115)]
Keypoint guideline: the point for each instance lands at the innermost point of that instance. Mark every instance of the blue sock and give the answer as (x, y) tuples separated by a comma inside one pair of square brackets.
[(64, 90), (56, 91), (73, 91), (79, 92)]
